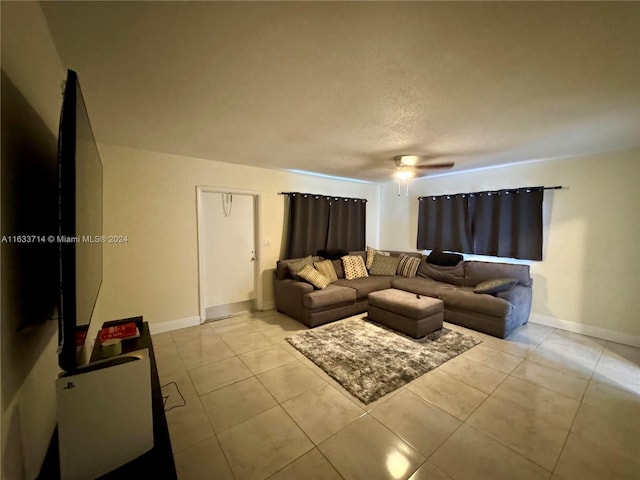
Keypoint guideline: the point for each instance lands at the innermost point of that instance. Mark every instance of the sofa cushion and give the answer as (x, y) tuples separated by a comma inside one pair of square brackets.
[(333, 295), (371, 253), (364, 286), (408, 265), (406, 304), (325, 267), (495, 286), (422, 285), (444, 259), (282, 267), (464, 299), (477, 272), (453, 275), (354, 267), (297, 266), (384, 265), (337, 265), (314, 277)]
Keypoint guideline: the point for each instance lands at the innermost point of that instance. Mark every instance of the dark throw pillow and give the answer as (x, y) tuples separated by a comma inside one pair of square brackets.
[(332, 254), (443, 259), (496, 285)]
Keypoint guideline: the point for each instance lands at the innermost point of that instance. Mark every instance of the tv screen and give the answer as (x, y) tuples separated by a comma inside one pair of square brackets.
[(80, 225)]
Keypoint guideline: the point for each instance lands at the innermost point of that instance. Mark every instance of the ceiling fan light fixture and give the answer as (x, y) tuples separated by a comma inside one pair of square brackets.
[(407, 160), (404, 173)]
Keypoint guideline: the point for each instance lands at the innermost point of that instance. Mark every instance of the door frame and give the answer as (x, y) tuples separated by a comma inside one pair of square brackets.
[(257, 233)]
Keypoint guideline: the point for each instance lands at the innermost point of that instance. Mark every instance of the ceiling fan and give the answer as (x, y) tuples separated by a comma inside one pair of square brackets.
[(407, 166)]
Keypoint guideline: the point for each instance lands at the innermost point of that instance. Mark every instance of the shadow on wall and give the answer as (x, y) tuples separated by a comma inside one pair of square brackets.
[(29, 269)]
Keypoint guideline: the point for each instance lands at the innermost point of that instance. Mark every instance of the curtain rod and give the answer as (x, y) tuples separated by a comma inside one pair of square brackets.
[(556, 187), (323, 195)]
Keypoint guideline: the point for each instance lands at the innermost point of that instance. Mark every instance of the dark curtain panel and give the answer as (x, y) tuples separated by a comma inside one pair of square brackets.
[(444, 222), (508, 223), (307, 225), (347, 221)]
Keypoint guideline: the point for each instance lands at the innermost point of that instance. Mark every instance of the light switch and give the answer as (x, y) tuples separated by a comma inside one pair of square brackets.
[(266, 242)]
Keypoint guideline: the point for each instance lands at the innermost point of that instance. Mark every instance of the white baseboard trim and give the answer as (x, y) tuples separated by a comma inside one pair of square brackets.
[(598, 332), (268, 305), (173, 325)]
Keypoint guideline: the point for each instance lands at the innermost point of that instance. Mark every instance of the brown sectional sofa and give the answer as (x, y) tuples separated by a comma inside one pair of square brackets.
[(495, 314)]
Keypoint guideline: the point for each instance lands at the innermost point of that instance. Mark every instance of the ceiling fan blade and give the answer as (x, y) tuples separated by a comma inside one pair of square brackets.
[(434, 166)]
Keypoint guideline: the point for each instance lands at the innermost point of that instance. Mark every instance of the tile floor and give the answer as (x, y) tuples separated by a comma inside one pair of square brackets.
[(543, 404)]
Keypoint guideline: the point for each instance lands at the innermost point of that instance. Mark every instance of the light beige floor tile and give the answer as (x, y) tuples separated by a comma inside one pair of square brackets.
[(419, 423), (311, 466), (610, 429), (203, 350), (585, 460), (289, 380), (204, 460), (472, 373), (188, 425), (266, 358), (227, 322), (236, 403), (366, 450), (161, 340), (217, 375), (619, 366), (570, 338), (236, 329), (549, 405), (322, 411), (501, 361), (510, 346), (567, 354), (168, 360), (191, 333), (451, 395), (280, 326), (248, 342), (172, 370), (565, 383), (428, 471), (522, 430), (532, 334), (608, 398), (621, 351), (470, 454), (582, 346), (263, 444)]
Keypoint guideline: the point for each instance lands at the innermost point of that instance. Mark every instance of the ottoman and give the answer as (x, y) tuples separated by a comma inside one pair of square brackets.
[(406, 312)]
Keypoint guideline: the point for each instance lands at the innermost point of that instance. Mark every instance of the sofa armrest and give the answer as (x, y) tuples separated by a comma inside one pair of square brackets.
[(520, 297), (288, 295)]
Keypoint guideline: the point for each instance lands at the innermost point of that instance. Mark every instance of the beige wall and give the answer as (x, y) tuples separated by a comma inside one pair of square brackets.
[(590, 273), (151, 198), (31, 62)]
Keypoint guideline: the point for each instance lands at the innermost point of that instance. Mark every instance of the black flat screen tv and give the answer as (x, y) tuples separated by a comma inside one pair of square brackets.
[(79, 227)]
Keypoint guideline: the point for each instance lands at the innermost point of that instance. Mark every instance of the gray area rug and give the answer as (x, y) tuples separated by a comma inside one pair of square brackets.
[(369, 360)]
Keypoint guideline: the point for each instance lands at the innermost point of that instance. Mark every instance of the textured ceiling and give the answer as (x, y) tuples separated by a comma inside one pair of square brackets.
[(340, 88)]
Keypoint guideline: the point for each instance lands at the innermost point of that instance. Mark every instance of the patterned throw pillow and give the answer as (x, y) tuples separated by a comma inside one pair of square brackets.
[(295, 267), (371, 253), (495, 286), (354, 267), (408, 266), (383, 265), (326, 268), (314, 277)]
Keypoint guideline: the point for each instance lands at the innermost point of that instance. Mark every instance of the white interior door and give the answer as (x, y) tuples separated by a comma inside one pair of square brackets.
[(228, 253)]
